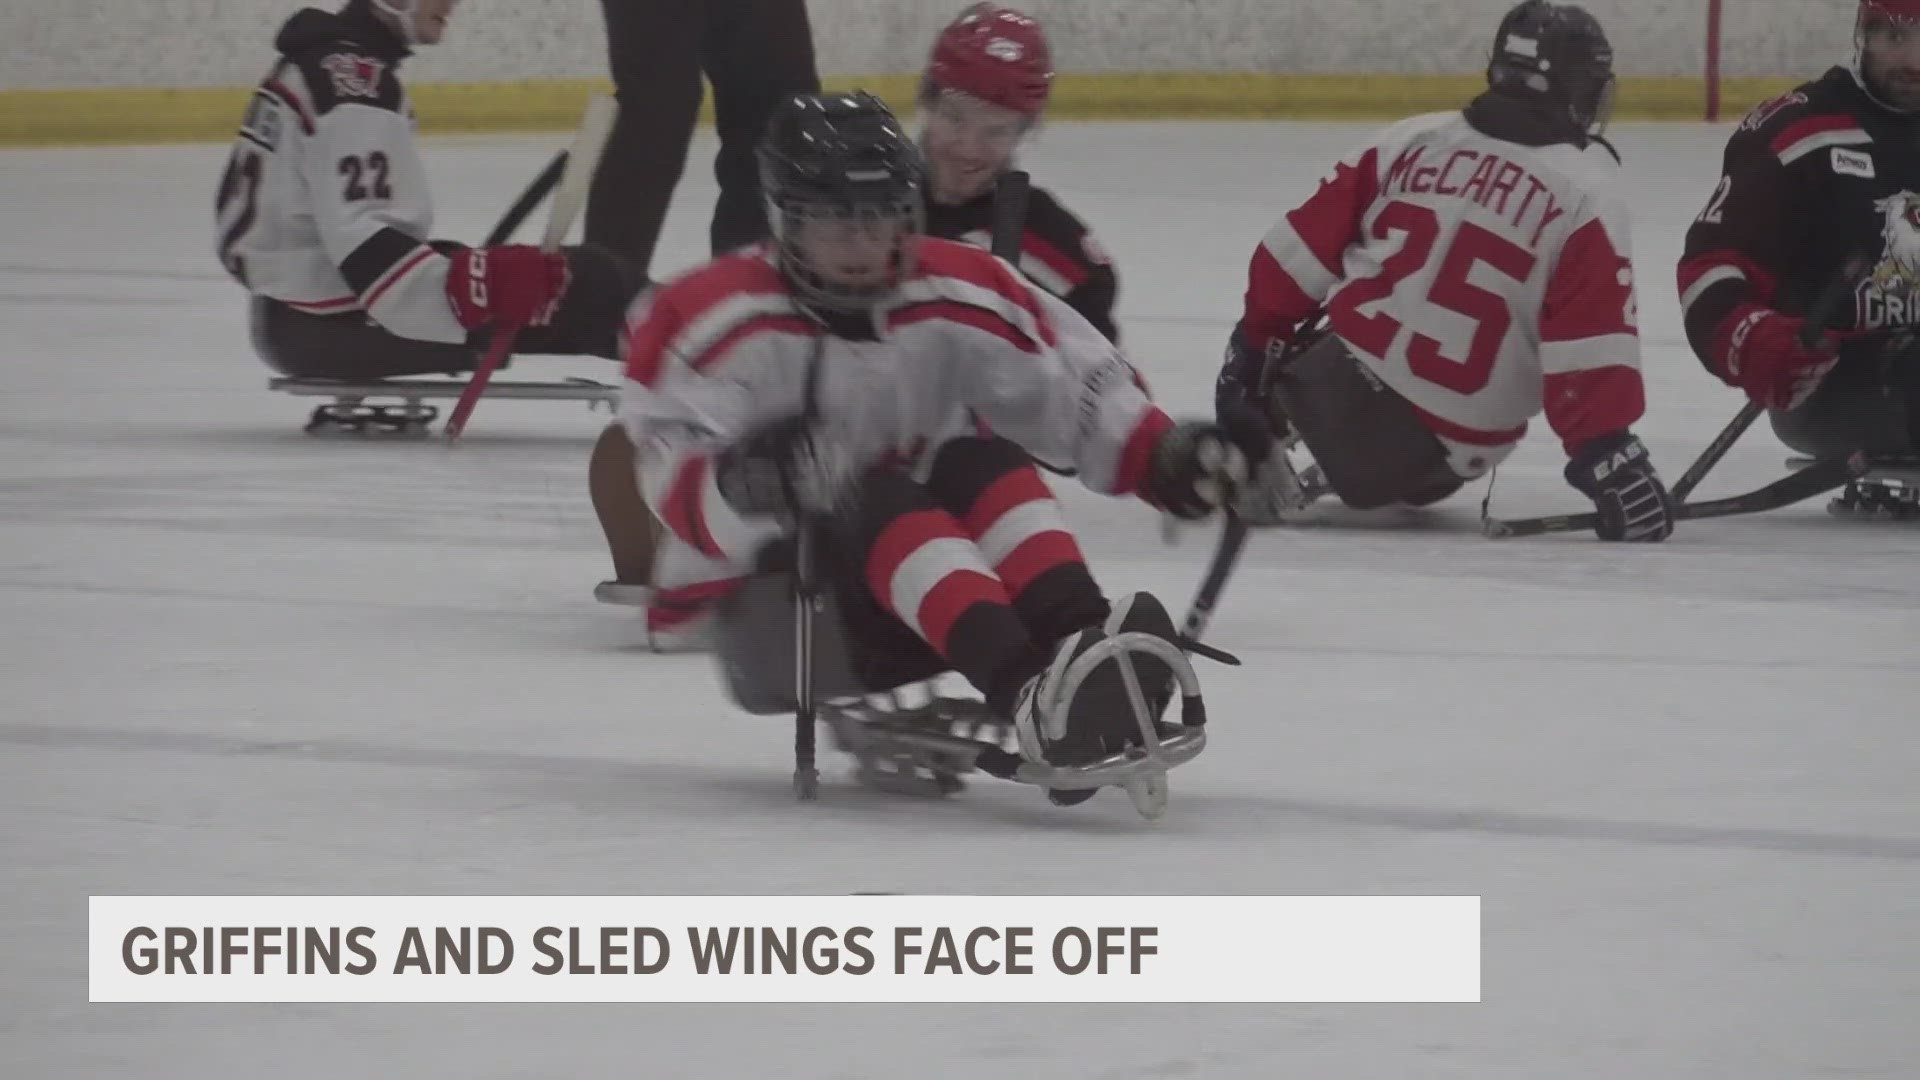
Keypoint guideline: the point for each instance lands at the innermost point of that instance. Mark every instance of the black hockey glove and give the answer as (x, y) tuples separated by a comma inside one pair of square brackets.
[(1615, 472), (779, 469), (1196, 468), (1237, 403)]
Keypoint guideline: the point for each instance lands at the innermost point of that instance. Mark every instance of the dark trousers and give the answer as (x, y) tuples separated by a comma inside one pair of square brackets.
[(753, 51), (996, 646), (1870, 401), (351, 346), (1367, 439)]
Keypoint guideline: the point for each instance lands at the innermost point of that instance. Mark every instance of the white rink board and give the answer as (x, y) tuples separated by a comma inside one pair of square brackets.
[(74, 43)]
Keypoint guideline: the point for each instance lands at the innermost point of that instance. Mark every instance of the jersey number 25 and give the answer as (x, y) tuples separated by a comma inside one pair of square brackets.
[(1451, 290)]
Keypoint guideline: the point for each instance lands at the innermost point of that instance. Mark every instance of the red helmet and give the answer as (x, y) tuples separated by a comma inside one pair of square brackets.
[(998, 55), (1890, 10)]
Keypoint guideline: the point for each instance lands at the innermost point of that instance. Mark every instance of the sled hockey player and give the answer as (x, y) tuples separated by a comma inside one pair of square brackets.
[(324, 217), (1473, 270), (986, 86), (896, 389), (1821, 188), (988, 78)]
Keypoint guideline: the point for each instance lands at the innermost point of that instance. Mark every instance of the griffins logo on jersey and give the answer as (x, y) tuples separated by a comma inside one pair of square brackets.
[(1891, 294), (355, 75)]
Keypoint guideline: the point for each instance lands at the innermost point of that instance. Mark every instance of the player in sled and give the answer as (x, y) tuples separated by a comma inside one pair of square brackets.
[(1449, 281), (895, 390), (1818, 207), (988, 79), (324, 217)]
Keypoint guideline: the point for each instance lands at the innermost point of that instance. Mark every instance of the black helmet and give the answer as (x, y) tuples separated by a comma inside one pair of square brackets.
[(841, 156), (1558, 57)]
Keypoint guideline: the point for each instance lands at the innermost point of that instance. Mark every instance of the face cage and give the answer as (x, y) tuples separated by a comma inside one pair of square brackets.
[(1866, 23), (403, 12), (1599, 106), (789, 222)]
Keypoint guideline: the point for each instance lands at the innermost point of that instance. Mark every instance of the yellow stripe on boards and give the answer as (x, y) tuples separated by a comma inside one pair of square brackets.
[(210, 114)]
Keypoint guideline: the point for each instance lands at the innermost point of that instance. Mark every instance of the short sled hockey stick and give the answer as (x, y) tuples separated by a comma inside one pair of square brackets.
[(1796, 487), (577, 176), (522, 208), (1824, 308), (1010, 214), (1233, 538)]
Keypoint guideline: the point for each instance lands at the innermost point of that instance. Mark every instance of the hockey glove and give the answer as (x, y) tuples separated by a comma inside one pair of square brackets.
[(1196, 468), (780, 470), (1615, 472), (1760, 352), (506, 287), (1237, 403)]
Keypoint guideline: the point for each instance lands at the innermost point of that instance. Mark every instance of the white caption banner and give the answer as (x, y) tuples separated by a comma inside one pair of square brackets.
[(784, 948)]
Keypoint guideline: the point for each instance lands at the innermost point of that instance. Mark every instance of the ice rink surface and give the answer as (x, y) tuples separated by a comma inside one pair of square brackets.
[(241, 660)]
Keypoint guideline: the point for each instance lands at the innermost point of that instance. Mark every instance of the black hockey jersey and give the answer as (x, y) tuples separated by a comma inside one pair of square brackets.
[(1057, 252), (1812, 180), (324, 204)]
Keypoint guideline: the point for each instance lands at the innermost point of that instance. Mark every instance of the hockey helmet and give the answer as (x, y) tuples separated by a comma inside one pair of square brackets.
[(996, 54), (1556, 54), (839, 168), (1892, 27)]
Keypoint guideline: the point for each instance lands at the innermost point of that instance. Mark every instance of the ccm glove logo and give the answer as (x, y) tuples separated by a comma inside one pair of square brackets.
[(1737, 341), (477, 277)]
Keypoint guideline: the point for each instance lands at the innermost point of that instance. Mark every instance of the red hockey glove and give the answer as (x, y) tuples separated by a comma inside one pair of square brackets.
[(506, 287), (1760, 352)]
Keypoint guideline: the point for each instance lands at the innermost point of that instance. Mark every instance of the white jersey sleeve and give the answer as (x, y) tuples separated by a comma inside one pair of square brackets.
[(1075, 402)]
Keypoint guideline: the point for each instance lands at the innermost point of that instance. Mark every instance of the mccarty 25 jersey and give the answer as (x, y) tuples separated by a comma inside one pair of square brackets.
[(324, 203), (1482, 280)]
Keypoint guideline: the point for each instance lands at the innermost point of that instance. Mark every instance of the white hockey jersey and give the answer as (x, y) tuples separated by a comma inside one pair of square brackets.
[(967, 346), (324, 203), (1482, 280)]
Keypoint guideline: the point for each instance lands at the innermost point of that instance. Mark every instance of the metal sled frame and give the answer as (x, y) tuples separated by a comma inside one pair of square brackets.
[(915, 749), (349, 395), (414, 391), (1883, 487)]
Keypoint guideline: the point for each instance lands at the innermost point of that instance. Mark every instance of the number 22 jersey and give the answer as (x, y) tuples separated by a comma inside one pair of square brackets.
[(1482, 280), (324, 204)]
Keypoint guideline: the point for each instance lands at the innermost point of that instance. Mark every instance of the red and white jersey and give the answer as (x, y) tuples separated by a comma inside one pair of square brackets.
[(1482, 280), (324, 203), (966, 345)]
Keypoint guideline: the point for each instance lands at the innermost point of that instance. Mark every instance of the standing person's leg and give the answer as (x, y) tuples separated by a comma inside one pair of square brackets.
[(653, 48), (756, 52)]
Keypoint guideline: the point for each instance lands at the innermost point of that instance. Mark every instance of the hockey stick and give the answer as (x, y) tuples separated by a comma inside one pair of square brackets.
[(1825, 307), (536, 192), (1813, 480), (1010, 214), (1819, 316), (577, 176), (1233, 537), (806, 604)]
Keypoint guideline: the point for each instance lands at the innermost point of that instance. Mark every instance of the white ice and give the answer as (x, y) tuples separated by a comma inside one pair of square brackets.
[(240, 660)]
